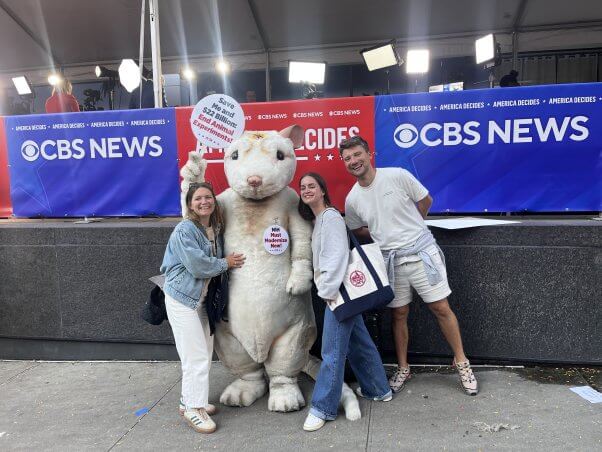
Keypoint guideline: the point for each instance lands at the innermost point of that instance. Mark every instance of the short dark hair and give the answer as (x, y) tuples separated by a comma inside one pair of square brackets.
[(352, 142), (304, 210)]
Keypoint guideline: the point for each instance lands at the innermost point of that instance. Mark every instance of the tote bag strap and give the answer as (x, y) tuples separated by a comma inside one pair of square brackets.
[(362, 254)]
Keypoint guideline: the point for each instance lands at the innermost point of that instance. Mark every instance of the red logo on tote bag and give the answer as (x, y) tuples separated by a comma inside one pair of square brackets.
[(357, 278)]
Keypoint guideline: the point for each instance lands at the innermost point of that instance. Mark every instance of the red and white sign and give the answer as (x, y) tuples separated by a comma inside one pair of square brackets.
[(217, 120), (326, 123)]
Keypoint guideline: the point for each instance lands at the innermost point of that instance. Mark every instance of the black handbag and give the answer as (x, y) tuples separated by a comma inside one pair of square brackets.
[(154, 311), (216, 300)]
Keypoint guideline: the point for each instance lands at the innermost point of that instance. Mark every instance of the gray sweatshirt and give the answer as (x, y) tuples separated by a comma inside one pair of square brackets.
[(330, 247)]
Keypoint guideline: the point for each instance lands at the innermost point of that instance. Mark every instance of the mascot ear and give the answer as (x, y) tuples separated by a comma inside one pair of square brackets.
[(295, 133)]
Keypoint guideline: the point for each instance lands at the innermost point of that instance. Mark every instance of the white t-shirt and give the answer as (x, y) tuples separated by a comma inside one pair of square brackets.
[(387, 207)]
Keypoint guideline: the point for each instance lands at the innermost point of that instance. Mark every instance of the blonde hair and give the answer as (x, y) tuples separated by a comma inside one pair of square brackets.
[(64, 86)]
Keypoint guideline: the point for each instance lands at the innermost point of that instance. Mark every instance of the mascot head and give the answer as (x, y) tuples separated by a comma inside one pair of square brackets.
[(260, 164)]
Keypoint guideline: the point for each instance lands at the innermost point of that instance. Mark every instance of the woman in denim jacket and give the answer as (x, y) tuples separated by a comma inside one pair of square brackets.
[(193, 256), (344, 340)]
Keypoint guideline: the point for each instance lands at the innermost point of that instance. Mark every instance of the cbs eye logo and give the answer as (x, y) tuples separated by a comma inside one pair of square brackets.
[(405, 136), (30, 150)]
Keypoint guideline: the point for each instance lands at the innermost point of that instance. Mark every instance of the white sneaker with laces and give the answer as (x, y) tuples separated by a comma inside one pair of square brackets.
[(199, 420), (313, 423)]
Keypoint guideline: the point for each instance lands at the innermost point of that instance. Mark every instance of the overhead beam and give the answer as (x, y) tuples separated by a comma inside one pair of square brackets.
[(10, 13), (260, 30), (516, 23), (520, 13)]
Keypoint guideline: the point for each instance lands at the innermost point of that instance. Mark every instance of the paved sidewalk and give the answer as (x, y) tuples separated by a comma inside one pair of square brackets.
[(102, 406)]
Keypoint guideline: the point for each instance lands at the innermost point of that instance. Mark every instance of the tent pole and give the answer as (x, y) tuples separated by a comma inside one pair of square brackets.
[(156, 52), (141, 53)]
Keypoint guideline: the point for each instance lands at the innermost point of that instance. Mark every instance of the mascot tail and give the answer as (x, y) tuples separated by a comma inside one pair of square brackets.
[(192, 172), (348, 398)]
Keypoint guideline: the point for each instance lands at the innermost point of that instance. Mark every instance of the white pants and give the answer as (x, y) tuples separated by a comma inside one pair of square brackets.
[(190, 329)]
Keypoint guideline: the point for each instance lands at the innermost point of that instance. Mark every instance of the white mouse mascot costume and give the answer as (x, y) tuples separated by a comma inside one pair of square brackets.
[(271, 324)]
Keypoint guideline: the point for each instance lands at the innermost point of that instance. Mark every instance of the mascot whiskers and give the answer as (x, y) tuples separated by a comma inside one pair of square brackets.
[(271, 324)]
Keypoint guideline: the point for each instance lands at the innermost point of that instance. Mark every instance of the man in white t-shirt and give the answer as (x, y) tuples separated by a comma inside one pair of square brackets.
[(389, 205)]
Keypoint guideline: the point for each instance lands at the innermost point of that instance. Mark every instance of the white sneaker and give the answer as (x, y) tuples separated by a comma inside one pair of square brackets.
[(199, 420), (210, 409), (313, 423), (386, 398)]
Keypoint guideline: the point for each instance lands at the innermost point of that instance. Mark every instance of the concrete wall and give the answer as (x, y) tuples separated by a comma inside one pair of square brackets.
[(526, 292)]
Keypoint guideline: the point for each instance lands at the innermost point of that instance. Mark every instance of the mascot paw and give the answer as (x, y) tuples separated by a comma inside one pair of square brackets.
[(194, 169), (285, 396), (296, 287), (243, 392), (300, 278), (350, 404)]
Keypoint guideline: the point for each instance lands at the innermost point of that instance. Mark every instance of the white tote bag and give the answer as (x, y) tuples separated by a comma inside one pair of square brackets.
[(366, 284)]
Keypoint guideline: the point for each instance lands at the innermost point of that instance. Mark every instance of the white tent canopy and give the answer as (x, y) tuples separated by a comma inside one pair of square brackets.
[(75, 35)]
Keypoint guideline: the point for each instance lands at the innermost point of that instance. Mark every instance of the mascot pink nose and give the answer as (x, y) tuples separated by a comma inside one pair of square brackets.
[(254, 181)]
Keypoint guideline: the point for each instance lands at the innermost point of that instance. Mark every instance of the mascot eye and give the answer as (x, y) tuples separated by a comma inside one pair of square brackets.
[(234, 155), (280, 155)]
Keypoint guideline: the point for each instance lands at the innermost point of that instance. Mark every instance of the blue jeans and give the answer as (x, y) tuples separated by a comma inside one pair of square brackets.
[(348, 339)]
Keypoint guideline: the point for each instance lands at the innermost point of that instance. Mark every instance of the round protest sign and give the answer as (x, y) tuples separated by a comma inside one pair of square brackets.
[(275, 239), (217, 120)]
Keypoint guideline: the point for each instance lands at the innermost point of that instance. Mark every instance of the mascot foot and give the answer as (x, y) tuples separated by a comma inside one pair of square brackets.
[(350, 404), (285, 395), (245, 390)]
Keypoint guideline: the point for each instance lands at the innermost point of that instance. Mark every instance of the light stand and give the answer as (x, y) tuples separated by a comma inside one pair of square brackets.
[(489, 53), (387, 72), (108, 86)]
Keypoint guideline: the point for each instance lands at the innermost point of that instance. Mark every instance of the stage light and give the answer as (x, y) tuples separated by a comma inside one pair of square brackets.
[(129, 75), (188, 73), (22, 85), (304, 72), (381, 56), (485, 49), (223, 67), (55, 79), (104, 72), (417, 61)]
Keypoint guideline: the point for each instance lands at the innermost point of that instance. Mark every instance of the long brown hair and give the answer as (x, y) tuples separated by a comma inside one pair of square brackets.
[(304, 210), (216, 220)]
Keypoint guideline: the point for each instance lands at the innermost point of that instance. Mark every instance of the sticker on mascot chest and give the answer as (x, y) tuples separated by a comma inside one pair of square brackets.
[(275, 239)]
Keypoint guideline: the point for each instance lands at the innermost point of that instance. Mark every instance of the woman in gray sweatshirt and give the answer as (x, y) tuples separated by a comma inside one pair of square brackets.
[(348, 339)]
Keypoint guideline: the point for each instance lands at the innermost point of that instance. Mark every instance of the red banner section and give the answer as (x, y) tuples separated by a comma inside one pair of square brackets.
[(326, 123), (5, 205)]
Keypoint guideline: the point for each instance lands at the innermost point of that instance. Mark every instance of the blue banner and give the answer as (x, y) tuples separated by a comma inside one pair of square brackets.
[(498, 150), (118, 163)]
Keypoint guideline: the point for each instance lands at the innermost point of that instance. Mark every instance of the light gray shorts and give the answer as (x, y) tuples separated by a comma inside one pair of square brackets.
[(412, 274)]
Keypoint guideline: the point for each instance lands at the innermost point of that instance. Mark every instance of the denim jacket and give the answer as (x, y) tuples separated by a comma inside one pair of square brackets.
[(188, 262)]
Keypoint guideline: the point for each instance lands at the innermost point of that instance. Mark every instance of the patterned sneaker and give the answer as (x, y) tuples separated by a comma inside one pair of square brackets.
[(210, 409), (199, 420), (399, 378), (467, 378)]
